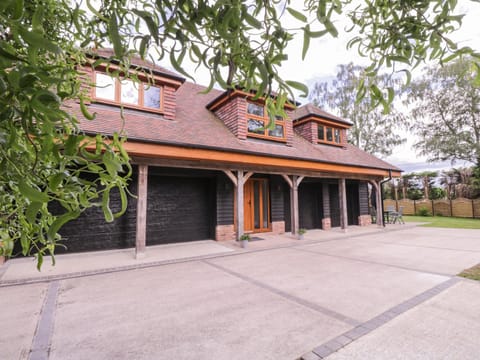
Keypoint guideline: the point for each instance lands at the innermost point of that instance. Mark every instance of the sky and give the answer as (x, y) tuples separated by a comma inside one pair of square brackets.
[(326, 53)]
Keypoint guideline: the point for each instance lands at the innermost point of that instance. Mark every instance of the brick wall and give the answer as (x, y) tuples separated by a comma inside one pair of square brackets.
[(344, 137), (289, 128), (169, 102), (233, 114), (326, 224), (308, 131), (364, 220), (278, 227), (224, 232)]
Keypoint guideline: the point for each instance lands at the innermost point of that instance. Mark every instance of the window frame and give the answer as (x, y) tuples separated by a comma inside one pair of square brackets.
[(118, 93), (325, 132), (265, 120)]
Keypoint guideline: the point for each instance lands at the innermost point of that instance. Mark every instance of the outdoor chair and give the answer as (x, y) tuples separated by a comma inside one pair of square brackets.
[(398, 216), (389, 213)]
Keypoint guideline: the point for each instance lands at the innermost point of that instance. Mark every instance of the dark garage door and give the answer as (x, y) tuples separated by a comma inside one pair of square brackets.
[(179, 209)]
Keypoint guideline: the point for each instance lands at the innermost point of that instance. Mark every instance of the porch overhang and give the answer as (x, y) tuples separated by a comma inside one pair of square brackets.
[(171, 155)]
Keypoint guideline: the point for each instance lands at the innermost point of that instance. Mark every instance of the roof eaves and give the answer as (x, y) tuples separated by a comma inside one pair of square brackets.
[(250, 152)]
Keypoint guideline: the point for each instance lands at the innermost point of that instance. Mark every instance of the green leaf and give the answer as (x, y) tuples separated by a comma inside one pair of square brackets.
[(306, 41), (17, 9), (112, 164), (297, 14), (88, 115), (55, 180), (32, 211), (177, 65), (39, 260), (31, 193), (252, 21), (37, 19), (107, 212), (299, 86), (115, 35), (123, 201), (37, 41), (59, 222)]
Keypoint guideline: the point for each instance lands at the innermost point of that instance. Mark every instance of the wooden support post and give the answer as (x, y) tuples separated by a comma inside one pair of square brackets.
[(240, 203), (342, 191), (379, 204), (293, 182), (294, 205), (141, 233)]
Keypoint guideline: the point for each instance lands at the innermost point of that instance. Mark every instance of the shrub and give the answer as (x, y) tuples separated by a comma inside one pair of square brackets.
[(423, 211)]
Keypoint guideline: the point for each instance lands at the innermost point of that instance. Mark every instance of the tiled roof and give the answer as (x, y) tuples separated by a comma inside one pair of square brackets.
[(310, 109), (196, 126), (109, 54)]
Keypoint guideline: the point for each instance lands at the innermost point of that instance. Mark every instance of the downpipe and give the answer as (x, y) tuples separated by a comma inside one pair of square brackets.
[(381, 194)]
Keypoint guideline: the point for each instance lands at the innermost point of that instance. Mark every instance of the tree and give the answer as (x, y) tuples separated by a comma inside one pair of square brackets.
[(46, 160), (426, 179), (448, 179), (372, 130), (446, 109)]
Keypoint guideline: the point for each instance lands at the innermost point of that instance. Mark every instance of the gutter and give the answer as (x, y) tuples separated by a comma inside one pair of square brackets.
[(381, 194)]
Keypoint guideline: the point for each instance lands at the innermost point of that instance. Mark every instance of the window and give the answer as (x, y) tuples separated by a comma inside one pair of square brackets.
[(258, 121), (128, 93), (328, 134)]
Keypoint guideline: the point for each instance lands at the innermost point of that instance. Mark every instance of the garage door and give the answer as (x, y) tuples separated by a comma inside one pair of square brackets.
[(179, 209)]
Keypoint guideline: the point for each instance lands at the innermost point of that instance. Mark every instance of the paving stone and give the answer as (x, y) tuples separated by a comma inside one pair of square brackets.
[(333, 344), (342, 339), (322, 351), (310, 356)]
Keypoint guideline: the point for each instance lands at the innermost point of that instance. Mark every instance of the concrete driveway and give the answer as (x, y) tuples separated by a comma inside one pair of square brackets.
[(379, 294)]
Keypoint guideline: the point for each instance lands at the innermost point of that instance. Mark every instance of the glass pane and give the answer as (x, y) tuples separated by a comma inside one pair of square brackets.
[(129, 92), (329, 134), (256, 126), (265, 204), (277, 132), (256, 205), (337, 135), (321, 132), (255, 109), (105, 87), (151, 97)]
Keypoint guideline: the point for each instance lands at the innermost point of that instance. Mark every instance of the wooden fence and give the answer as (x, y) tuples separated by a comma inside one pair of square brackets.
[(461, 207)]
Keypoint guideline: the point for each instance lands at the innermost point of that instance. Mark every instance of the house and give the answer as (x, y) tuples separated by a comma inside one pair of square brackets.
[(205, 166)]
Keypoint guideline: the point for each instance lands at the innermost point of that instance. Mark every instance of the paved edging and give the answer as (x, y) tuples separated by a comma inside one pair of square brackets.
[(49, 278), (43, 335), (335, 344)]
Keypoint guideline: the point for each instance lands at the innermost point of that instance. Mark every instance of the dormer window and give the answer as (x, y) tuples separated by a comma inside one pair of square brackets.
[(258, 121), (125, 92), (329, 135)]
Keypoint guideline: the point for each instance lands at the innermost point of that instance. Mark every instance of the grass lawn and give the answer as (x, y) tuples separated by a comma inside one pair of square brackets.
[(472, 273), (445, 222)]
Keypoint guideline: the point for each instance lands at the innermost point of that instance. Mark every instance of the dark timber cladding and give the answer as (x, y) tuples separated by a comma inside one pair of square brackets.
[(90, 232), (311, 205), (181, 205)]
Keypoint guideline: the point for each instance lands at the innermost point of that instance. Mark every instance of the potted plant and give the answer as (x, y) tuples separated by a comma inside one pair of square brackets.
[(244, 239), (301, 232)]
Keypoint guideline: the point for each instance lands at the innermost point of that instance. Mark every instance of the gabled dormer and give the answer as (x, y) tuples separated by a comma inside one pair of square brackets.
[(247, 117), (154, 92), (319, 127)]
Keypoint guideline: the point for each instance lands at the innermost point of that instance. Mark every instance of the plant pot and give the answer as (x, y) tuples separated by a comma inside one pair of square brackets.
[(244, 243), (300, 237)]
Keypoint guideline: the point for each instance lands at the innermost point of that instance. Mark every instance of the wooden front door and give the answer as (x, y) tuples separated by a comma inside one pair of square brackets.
[(257, 205)]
